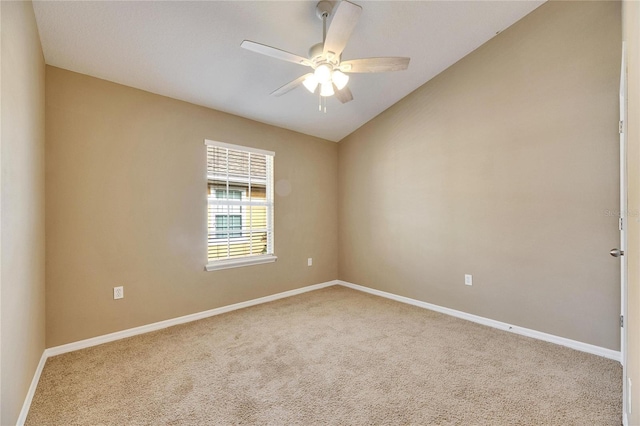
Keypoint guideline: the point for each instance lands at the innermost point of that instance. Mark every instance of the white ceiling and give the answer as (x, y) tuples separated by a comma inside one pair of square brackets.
[(191, 51)]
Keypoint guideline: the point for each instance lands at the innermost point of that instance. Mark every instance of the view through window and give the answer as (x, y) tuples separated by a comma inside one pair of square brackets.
[(240, 202)]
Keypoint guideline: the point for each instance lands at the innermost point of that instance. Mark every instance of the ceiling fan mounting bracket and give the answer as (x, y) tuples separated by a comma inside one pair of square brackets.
[(323, 9)]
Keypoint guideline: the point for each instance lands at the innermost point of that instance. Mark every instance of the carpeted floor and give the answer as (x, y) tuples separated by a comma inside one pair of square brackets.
[(332, 356)]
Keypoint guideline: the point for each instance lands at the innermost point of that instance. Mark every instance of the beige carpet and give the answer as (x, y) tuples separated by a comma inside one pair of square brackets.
[(333, 356)]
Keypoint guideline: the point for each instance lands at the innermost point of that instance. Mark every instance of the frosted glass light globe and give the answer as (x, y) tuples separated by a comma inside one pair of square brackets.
[(340, 79), (323, 73), (311, 83), (326, 89)]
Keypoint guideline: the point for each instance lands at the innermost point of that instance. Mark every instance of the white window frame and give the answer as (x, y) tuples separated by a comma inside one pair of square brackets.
[(255, 259)]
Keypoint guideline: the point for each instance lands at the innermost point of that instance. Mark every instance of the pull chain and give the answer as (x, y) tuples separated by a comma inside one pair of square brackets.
[(322, 103)]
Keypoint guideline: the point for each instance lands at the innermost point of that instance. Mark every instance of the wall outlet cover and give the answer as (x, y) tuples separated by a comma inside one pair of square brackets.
[(118, 292), (468, 279)]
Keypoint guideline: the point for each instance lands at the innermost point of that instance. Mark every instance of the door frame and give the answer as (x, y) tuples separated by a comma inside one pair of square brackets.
[(623, 231)]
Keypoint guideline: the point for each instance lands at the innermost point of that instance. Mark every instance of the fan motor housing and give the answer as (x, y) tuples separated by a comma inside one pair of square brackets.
[(316, 51), (316, 55)]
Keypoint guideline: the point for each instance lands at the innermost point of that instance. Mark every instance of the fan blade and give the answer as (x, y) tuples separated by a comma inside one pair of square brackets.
[(343, 95), (290, 86), (375, 65), (274, 53), (342, 24)]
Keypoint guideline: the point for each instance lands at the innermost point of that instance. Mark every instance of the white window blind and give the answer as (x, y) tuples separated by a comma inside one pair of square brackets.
[(240, 205)]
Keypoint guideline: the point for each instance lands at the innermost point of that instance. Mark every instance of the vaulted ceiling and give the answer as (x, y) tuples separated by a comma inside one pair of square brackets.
[(191, 51)]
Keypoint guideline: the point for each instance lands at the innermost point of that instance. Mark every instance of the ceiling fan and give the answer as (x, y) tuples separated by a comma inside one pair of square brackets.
[(326, 58)]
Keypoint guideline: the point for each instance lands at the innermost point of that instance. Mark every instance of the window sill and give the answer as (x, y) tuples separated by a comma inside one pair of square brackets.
[(237, 263)]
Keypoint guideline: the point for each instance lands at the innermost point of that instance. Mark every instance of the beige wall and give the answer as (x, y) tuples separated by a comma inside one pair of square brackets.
[(22, 192), (502, 167), (126, 205), (631, 34)]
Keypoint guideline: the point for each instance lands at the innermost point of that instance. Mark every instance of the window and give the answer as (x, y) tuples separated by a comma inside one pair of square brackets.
[(228, 220), (240, 206), (228, 223)]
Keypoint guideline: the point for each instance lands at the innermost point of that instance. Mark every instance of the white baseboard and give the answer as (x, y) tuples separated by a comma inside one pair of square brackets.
[(94, 341), (573, 344), (32, 390), (625, 419)]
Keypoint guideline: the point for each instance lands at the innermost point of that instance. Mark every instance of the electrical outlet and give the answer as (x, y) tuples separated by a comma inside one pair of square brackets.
[(309, 261), (118, 292), (468, 279)]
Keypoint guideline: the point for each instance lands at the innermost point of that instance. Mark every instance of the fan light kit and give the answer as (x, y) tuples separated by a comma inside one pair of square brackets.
[(326, 58)]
